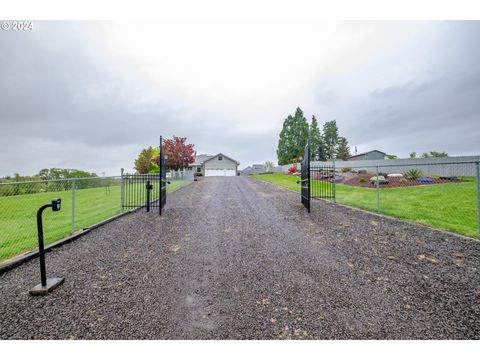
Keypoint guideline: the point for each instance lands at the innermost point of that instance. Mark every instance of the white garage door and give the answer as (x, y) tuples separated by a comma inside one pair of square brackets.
[(219, 172)]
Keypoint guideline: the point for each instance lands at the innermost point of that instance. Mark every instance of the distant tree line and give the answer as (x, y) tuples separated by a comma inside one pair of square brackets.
[(431, 154), (47, 185), (325, 144)]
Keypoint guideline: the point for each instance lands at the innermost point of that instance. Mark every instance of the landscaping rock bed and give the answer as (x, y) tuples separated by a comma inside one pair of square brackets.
[(355, 180)]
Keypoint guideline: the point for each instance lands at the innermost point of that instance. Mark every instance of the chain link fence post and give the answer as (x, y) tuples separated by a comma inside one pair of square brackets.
[(378, 189), (122, 191), (478, 196), (73, 206)]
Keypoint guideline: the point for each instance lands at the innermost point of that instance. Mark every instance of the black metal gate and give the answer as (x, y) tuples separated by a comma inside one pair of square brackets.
[(305, 177), (146, 190), (163, 178), (318, 181)]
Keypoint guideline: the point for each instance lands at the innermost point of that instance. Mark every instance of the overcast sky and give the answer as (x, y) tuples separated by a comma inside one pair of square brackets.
[(91, 95)]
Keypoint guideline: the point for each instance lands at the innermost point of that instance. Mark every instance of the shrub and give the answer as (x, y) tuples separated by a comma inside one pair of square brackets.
[(413, 174), (362, 180), (198, 174), (346, 169), (402, 180), (293, 169)]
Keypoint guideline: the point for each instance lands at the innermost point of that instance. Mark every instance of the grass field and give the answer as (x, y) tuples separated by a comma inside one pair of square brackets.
[(18, 227), (451, 207)]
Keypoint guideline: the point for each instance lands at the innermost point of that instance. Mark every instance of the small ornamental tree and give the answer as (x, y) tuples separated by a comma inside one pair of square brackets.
[(293, 169), (179, 153)]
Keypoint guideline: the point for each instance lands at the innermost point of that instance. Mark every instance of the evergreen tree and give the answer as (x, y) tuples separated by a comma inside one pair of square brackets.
[(293, 138), (330, 137), (343, 150), (317, 146)]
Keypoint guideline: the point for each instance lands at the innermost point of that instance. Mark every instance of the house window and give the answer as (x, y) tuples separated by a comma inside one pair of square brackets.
[(220, 157), (199, 169), (189, 168)]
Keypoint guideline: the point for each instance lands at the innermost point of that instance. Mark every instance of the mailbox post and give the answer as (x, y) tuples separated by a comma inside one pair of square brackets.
[(46, 285)]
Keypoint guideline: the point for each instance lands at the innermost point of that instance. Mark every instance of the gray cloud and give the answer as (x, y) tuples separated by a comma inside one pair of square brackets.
[(434, 105), (66, 101)]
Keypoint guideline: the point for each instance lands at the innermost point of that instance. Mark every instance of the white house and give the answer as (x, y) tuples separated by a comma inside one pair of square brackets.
[(215, 165)]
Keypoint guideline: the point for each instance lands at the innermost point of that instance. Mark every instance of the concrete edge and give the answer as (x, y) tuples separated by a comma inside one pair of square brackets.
[(465, 237), (26, 257)]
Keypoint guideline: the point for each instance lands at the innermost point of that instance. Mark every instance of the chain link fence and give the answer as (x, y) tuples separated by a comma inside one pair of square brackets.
[(85, 202), (442, 195)]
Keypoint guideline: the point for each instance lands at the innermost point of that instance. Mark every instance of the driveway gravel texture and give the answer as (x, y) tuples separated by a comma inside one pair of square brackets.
[(236, 258)]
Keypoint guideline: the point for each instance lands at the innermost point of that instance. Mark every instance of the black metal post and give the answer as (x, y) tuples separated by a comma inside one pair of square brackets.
[(149, 188), (41, 248), (46, 285), (160, 177)]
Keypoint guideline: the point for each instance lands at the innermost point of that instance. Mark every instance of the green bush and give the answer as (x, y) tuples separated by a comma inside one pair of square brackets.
[(413, 174), (403, 180), (198, 174), (362, 180), (346, 169)]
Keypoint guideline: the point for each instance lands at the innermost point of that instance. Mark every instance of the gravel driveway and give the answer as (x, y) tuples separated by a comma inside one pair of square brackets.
[(236, 258)]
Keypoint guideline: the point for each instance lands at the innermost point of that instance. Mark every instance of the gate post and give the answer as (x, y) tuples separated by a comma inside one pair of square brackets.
[(378, 191), (308, 169), (122, 191), (160, 176), (73, 206)]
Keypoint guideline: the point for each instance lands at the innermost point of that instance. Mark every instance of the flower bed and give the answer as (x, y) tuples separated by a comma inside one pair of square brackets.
[(394, 181)]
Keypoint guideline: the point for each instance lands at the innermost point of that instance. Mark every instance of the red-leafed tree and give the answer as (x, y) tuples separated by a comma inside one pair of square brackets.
[(179, 153)]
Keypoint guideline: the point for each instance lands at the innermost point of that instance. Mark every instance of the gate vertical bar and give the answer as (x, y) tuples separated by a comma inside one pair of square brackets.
[(122, 191), (478, 196), (73, 206), (378, 190)]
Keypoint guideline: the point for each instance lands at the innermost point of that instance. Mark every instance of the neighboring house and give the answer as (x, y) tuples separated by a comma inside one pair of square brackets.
[(370, 155), (254, 169), (215, 165)]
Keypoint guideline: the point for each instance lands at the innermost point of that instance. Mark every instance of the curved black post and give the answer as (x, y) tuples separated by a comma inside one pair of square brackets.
[(46, 285), (41, 248)]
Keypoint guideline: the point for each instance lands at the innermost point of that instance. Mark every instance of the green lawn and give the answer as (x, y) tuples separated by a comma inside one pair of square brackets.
[(18, 227), (450, 207)]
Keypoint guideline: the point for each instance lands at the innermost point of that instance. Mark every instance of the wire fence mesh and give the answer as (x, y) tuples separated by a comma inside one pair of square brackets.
[(444, 196), (85, 202)]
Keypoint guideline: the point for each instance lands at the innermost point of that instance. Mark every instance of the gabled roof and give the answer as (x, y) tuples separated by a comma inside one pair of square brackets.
[(200, 159), (368, 152), (228, 157)]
